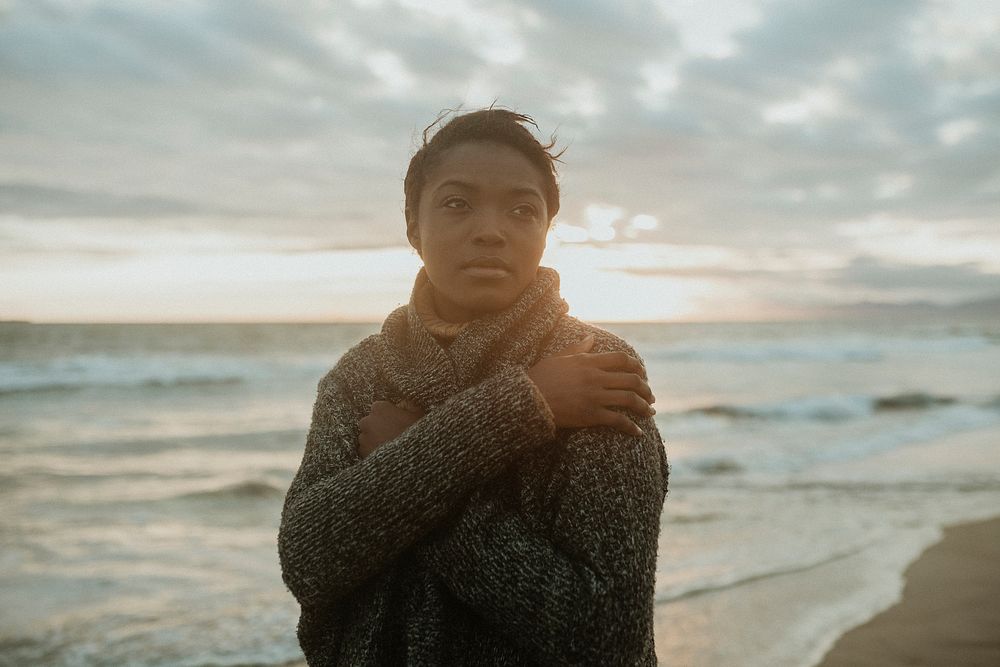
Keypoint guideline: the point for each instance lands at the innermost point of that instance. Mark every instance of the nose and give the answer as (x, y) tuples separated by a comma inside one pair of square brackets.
[(489, 229)]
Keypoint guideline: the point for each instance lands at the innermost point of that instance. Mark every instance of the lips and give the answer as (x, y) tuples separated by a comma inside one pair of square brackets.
[(491, 269), (488, 263)]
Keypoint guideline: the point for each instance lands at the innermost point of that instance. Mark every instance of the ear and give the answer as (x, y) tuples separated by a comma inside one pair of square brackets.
[(412, 229)]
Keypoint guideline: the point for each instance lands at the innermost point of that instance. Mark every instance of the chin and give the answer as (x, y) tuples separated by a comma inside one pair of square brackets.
[(490, 302)]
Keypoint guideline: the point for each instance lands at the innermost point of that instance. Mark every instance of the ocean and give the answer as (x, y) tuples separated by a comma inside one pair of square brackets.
[(144, 468)]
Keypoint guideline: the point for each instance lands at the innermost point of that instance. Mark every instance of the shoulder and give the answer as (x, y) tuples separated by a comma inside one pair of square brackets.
[(570, 330), (643, 457), (355, 367)]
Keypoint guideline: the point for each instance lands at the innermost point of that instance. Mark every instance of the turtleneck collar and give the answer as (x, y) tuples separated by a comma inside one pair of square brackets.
[(425, 372), (423, 302)]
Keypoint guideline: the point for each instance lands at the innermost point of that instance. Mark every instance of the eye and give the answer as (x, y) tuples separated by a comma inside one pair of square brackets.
[(455, 202), (525, 211)]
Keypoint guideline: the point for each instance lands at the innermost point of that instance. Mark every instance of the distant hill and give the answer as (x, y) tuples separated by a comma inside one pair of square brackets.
[(978, 309)]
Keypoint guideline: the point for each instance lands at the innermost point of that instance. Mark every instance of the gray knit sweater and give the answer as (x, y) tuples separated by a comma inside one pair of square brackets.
[(482, 535)]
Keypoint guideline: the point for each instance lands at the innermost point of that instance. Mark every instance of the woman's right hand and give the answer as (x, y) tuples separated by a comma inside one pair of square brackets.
[(581, 387)]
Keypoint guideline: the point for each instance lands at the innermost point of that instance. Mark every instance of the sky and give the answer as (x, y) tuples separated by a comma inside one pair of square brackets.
[(725, 159)]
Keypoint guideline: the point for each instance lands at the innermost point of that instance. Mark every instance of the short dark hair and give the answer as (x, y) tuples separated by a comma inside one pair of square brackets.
[(496, 124)]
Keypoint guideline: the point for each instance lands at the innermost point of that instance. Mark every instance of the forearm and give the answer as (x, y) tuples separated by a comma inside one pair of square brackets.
[(342, 526), (515, 579), (582, 595)]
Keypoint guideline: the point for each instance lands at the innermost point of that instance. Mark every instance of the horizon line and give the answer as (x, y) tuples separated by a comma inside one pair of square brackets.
[(814, 317)]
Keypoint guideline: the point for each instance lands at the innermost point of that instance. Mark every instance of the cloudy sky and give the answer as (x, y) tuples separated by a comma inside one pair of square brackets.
[(726, 159)]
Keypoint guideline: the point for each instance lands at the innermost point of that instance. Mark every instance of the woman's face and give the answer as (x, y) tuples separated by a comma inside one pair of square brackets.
[(480, 228)]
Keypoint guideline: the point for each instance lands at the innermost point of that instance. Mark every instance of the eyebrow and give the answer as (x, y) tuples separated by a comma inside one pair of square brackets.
[(524, 190)]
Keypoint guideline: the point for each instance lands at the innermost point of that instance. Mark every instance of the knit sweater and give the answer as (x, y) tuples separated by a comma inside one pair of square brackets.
[(483, 534)]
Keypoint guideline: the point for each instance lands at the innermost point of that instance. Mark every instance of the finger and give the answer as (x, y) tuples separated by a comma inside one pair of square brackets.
[(386, 410), (621, 361), (579, 347), (629, 400), (620, 422), (409, 406), (629, 381)]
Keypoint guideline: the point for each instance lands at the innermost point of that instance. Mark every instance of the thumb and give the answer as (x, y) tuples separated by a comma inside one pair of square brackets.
[(580, 346)]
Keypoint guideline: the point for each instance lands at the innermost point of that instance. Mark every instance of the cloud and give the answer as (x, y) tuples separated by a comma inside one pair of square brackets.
[(964, 281), (299, 109), (773, 129), (825, 278), (859, 102), (39, 201)]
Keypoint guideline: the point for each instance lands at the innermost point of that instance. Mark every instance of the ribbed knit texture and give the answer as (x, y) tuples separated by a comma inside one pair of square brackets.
[(482, 535), (423, 301)]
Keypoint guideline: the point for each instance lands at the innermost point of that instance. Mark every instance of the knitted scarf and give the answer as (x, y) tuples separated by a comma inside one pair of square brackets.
[(425, 373), (423, 300)]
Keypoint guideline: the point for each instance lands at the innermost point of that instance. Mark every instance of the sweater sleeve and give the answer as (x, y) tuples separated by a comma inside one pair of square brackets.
[(584, 594), (344, 518)]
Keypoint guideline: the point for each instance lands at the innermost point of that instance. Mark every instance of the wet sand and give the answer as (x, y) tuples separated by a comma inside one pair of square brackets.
[(949, 614)]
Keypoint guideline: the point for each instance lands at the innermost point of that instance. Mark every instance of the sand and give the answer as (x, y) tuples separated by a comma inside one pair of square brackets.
[(949, 613)]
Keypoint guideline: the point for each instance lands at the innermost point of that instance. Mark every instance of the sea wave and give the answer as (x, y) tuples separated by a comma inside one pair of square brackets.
[(716, 466), (57, 387), (949, 420), (153, 633), (793, 450), (243, 490), (701, 587), (834, 407), (74, 373), (859, 349)]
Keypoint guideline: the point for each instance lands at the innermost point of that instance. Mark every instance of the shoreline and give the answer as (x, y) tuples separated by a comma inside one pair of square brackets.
[(949, 612)]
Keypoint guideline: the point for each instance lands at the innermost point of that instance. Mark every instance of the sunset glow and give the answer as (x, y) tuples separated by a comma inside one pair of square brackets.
[(244, 161)]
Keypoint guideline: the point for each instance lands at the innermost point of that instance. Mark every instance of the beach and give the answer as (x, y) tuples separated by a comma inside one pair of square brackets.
[(811, 464), (949, 613), (873, 516)]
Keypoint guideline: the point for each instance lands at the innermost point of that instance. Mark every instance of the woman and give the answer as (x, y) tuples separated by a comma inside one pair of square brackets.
[(482, 480)]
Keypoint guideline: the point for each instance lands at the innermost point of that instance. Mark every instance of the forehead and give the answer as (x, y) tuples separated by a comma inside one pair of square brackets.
[(486, 165)]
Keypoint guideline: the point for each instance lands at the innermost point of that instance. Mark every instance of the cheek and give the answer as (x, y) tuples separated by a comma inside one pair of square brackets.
[(439, 249), (532, 241)]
